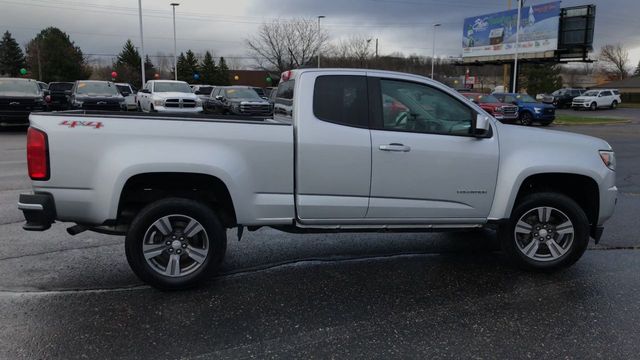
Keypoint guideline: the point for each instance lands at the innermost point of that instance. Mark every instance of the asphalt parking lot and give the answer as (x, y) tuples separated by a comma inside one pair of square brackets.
[(347, 296)]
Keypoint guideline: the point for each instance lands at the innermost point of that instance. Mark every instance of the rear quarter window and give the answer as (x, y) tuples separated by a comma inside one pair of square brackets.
[(341, 99)]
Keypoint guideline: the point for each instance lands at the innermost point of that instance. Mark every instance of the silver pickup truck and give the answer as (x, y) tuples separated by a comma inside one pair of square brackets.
[(346, 150)]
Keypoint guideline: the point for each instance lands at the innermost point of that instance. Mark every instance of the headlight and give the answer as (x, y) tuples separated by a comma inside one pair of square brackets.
[(499, 109), (537, 109), (198, 102), (609, 159), (158, 102)]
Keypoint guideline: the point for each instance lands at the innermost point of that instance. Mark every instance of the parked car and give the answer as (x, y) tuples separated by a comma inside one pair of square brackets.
[(203, 91), (563, 97), (43, 86), (57, 95), (529, 110), (96, 95), (507, 113), (18, 98), (175, 186), (596, 99), (237, 100), (129, 92), (168, 96)]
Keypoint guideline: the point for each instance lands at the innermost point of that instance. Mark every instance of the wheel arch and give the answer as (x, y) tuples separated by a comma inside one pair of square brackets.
[(142, 189), (580, 188)]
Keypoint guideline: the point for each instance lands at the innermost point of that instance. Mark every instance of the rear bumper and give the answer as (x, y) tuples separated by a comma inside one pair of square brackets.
[(39, 211)]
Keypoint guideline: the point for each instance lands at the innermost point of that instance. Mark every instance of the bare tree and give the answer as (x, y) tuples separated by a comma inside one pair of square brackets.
[(282, 45), (615, 60), (352, 52)]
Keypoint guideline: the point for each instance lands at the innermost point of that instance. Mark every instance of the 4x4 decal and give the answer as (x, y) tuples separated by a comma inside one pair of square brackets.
[(74, 123)]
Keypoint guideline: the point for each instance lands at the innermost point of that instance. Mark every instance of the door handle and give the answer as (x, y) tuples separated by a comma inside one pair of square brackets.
[(395, 147)]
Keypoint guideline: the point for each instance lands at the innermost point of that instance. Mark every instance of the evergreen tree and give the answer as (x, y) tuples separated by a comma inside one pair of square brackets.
[(540, 78), (149, 68), (60, 59), (223, 73), (637, 72), (187, 66), (208, 69), (11, 56), (127, 64)]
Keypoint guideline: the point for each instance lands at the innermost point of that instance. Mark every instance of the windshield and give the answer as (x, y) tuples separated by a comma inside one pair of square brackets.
[(486, 99), (123, 89), (60, 86), (591, 93), (525, 98), (17, 87), (242, 94), (205, 90), (181, 87), (99, 88)]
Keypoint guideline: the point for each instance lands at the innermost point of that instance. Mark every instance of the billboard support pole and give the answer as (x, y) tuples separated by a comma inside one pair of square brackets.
[(505, 67), (515, 61)]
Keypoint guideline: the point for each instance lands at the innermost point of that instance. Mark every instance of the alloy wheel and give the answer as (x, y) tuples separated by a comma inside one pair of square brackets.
[(544, 234)]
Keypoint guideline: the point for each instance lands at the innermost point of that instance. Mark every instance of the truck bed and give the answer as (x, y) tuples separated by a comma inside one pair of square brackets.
[(92, 155)]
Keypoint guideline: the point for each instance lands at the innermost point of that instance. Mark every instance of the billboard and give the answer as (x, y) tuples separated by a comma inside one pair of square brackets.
[(495, 34)]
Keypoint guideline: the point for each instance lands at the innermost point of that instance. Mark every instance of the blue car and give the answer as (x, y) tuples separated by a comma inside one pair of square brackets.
[(529, 109)]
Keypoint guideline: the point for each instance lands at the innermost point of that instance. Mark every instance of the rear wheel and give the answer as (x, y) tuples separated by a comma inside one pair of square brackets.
[(175, 243), (546, 231), (614, 104)]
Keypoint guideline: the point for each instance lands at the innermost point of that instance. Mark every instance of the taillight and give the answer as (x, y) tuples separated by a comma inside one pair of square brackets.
[(37, 154), (47, 98)]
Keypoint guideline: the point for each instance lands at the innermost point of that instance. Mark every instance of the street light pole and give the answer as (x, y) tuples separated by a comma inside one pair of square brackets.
[(175, 51), (433, 50), (319, 35), (515, 61), (141, 42)]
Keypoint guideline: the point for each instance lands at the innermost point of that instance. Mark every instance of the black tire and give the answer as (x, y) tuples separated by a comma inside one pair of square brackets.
[(614, 105), (175, 207), (139, 107), (593, 106), (526, 118), (560, 202)]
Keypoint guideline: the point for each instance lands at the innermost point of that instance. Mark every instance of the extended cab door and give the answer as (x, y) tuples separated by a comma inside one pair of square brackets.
[(426, 167), (333, 146)]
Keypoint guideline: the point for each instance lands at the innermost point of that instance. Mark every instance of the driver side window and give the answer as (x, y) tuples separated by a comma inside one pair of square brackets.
[(416, 107)]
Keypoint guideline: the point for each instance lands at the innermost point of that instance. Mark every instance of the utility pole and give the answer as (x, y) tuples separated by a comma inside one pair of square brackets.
[(175, 47), (376, 47), (515, 60), (319, 35), (505, 67), (433, 49), (141, 42)]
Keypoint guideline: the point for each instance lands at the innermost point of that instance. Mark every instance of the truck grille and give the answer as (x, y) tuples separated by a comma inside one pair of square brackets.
[(180, 103), (509, 110), (578, 101), (255, 109)]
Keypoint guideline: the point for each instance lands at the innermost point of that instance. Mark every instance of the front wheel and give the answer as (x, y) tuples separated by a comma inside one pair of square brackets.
[(546, 231), (593, 106), (526, 118), (175, 243)]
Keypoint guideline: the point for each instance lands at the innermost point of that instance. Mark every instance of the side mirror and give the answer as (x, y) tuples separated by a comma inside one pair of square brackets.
[(198, 92), (473, 100), (481, 126), (219, 98), (145, 91), (125, 93)]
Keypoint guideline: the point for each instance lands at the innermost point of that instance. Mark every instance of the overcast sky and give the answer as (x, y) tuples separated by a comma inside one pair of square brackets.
[(101, 26)]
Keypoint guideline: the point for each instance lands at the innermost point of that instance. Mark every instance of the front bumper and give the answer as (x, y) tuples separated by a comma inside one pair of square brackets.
[(584, 105), (502, 117), (39, 211), (15, 118), (163, 109)]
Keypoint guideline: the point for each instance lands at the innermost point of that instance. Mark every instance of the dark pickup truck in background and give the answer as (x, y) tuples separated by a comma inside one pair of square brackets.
[(57, 96), (18, 98)]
